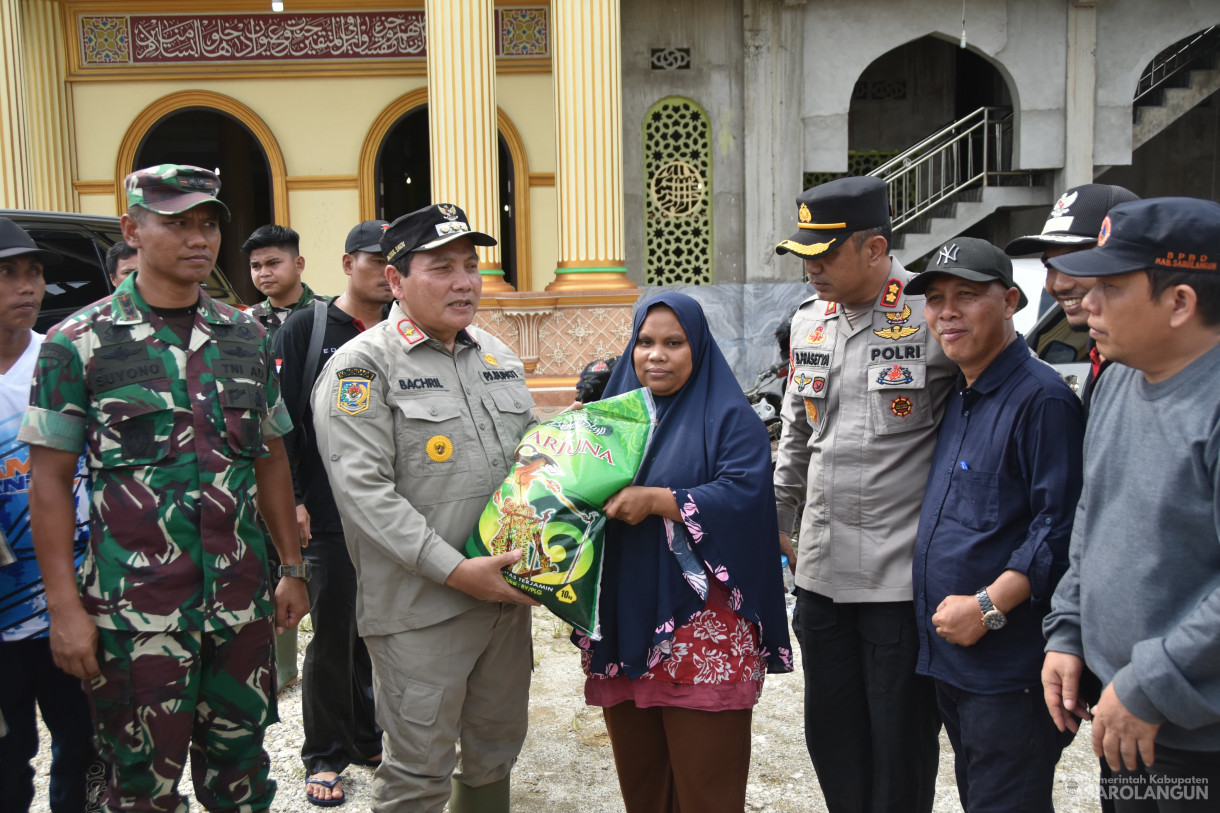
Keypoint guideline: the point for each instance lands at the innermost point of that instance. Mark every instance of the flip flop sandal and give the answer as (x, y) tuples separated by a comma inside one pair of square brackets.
[(330, 783)]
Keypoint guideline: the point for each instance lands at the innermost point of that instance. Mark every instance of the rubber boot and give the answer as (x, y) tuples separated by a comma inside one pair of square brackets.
[(286, 659), (492, 798)]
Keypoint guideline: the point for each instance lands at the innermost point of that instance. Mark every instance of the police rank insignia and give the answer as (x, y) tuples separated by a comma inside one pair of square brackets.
[(408, 330), (440, 448), (817, 336), (490, 359), (893, 289), (901, 406), (895, 376), (353, 396), (831, 308), (898, 329)]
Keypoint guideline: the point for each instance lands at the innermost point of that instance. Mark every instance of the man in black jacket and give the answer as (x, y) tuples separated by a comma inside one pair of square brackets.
[(337, 694)]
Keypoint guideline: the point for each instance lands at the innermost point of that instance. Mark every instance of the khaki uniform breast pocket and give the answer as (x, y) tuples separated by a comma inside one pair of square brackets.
[(812, 384), (898, 398), (432, 436), (510, 411)]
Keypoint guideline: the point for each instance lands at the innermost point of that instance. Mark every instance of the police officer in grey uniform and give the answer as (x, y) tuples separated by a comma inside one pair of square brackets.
[(866, 391), (417, 420)]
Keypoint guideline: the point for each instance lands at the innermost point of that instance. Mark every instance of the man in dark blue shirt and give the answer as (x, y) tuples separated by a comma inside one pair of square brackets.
[(993, 532)]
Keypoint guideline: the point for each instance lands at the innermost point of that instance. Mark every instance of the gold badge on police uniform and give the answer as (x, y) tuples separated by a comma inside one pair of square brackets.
[(440, 448)]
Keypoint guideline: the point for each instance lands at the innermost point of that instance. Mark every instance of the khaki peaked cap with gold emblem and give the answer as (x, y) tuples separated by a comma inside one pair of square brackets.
[(828, 214)]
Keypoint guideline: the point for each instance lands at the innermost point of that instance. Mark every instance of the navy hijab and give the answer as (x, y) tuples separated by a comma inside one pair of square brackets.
[(712, 451)]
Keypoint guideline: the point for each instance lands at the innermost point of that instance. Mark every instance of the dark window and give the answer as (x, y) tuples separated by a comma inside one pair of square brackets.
[(76, 281)]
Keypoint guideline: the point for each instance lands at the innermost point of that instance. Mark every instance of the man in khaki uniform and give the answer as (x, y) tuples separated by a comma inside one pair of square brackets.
[(866, 391), (417, 420)]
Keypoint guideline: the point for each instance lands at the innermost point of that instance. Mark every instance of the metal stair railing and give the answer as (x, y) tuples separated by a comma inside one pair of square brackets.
[(1180, 56), (969, 153)]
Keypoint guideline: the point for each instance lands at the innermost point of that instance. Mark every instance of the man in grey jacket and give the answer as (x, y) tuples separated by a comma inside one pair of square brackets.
[(865, 394), (1140, 604)]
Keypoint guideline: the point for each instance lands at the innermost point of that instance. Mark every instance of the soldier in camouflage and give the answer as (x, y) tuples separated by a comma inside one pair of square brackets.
[(172, 398)]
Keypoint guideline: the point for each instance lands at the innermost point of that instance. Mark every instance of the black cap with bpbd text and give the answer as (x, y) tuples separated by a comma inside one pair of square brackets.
[(1176, 234)]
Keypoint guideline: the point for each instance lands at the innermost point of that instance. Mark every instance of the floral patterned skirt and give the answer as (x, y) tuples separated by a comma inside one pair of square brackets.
[(714, 665)]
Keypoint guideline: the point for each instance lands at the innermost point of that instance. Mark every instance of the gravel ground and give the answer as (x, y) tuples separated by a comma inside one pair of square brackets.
[(566, 765)]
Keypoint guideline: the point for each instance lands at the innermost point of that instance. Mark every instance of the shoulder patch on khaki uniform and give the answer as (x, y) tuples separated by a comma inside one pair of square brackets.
[(352, 395)]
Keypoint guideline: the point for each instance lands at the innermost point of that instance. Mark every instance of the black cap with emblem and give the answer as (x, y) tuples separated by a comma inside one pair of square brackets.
[(971, 259), (827, 214), (1074, 220), (428, 228)]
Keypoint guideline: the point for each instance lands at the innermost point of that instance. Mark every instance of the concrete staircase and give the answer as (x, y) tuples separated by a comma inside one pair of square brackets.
[(960, 175), (953, 179), (1168, 103), (970, 206)]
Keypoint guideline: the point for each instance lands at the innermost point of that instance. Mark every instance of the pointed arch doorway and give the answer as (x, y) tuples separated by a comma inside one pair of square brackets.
[(213, 139), (402, 177)]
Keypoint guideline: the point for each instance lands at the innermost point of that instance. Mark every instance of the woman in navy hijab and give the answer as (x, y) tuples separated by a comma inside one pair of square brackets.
[(692, 597)]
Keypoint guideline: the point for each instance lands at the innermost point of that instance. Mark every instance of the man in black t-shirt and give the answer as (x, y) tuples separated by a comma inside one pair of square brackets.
[(337, 693)]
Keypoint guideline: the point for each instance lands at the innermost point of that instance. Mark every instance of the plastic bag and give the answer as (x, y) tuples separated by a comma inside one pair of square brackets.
[(550, 505)]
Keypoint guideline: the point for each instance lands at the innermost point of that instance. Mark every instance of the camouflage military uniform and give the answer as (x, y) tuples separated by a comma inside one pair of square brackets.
[(176, 576), (269, 319)]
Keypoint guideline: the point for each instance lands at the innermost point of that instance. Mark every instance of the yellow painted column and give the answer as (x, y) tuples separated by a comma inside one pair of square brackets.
[(589, 145), (462, 119), (14, 155), (50, 145)]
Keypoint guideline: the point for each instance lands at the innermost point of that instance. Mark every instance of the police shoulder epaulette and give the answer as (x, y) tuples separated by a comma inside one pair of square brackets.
[(891, 294)]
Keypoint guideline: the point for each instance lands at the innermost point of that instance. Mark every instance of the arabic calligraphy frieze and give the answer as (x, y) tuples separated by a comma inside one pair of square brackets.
[(181, 38)]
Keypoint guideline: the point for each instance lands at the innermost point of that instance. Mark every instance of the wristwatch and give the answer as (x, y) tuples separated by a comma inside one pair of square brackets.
[(298, 571), (993, 619)]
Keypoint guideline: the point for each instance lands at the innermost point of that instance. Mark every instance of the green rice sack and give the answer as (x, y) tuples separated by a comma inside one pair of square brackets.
[(550, 505)]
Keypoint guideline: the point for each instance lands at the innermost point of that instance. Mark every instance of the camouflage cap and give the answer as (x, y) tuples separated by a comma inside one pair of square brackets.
[(171, 189)]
